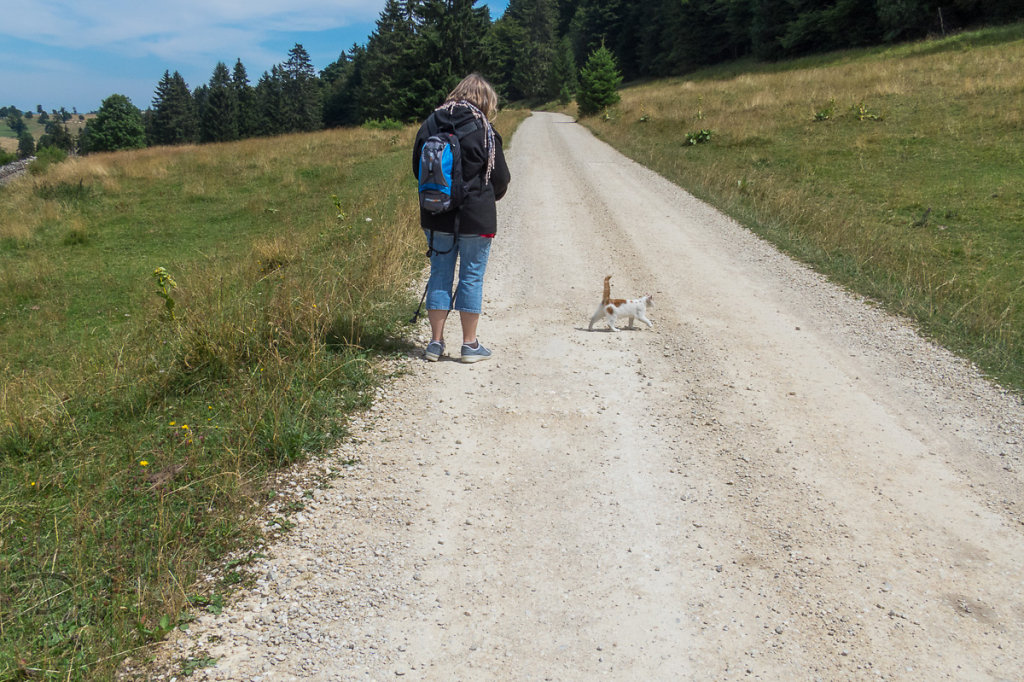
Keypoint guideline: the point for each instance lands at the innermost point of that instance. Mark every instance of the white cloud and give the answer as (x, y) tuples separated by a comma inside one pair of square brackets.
[(189, 30)]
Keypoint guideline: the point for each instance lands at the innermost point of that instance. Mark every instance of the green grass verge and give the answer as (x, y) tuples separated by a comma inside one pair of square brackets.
[(139, 418), (895, 171)]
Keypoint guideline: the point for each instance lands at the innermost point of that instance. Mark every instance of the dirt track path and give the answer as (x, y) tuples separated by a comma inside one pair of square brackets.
[(777, 482)]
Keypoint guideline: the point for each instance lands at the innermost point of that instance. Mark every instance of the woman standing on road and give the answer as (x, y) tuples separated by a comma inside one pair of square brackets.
[(466, 232)]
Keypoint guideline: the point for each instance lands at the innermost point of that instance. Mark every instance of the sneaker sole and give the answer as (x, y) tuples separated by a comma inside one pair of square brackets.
[(475, 358)]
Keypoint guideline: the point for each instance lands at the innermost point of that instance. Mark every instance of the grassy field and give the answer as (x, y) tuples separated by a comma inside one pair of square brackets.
[(9, 141), (898, 172), (175, 325)]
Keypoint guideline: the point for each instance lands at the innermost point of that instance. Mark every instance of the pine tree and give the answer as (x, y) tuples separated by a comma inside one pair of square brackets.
[(218, 117), (245, 97), (451, 44), (598, 82), (694, 34), (302, 91), (273, 114), (173, 119), (535, 60), (907, 19), (767, 26), (562, 75), (342, 82), (566, 11), (26, 145), (200, 96), (596, 23), (394, 81), (503, 44)]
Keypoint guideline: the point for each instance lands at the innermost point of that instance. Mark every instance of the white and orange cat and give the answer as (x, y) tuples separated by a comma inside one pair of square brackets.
[(614, 308)]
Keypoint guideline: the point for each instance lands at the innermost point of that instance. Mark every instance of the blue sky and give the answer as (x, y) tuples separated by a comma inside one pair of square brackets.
[(65, 53)]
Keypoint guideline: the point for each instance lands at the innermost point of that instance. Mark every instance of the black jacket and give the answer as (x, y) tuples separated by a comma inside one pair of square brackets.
[(477, 213)]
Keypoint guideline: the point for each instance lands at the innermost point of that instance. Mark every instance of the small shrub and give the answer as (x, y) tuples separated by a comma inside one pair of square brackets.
[(860, 111), (699, 137), (45, 157), (383, 124), (76, 236), (164, 284), (827, 112), (599, 81), (6, 158)]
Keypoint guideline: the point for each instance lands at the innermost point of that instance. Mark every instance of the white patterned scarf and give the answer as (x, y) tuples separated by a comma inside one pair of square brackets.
[(489, 144)]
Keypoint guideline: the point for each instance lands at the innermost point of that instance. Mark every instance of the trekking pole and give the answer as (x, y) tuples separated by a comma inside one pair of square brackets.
[(416, 315)]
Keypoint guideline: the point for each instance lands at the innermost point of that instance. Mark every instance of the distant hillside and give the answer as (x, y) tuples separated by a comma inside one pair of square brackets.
[(9, 141)]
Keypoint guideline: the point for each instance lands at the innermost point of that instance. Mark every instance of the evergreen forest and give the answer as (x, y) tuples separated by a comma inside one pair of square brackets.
[(537, 51)]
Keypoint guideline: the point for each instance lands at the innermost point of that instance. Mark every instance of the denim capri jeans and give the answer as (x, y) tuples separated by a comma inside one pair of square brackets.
[(472, 252)]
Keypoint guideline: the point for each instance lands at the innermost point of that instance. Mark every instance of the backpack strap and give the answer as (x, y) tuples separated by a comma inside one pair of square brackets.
[(468, 127), (431, 251)]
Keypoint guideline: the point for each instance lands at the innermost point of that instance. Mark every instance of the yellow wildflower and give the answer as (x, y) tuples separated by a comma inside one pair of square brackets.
[(144, 463)]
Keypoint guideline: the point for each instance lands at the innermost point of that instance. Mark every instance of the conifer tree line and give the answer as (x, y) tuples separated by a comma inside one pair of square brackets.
[(229, 107), (539, 50)]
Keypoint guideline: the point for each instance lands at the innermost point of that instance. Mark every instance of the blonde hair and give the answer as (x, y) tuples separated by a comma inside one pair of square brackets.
[(478, 92)]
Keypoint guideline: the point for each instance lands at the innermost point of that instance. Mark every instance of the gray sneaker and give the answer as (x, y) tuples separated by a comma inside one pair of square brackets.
[(435, 349), (470, 354)]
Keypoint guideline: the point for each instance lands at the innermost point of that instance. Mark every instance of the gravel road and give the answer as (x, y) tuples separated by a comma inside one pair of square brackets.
[(779, 481)]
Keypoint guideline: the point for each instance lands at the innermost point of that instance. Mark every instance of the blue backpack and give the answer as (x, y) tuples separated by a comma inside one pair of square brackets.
[(440, 170)]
